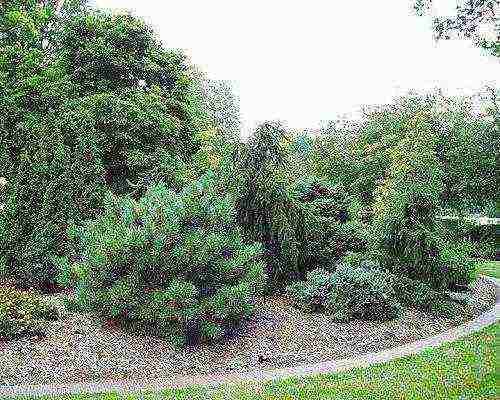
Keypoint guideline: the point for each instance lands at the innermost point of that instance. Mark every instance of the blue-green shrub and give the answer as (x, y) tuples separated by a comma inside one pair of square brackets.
[(172, 262), (348, 293)]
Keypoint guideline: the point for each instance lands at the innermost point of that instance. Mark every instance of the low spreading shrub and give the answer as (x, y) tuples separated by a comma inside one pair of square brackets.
[(363, 294), (410, 292), (23, 313), (312, 294), (172, 263), (348, 293), (416, 294), (359, 288)]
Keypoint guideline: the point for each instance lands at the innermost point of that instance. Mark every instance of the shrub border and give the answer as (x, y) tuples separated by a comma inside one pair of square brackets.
[(214, 380)]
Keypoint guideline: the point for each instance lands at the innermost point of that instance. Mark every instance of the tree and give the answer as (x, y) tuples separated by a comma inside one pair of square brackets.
[(223, 105), (405, 227), (471, 14), (465, 147), (266, 210), (92, 102)]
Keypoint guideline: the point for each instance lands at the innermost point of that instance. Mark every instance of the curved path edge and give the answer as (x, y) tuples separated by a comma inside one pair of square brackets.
[(213, 380)]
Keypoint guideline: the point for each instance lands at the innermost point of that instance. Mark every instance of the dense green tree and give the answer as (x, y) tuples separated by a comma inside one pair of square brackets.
[(405, 228), (90, 101), (465, 147), (301, 219), (265, 207)]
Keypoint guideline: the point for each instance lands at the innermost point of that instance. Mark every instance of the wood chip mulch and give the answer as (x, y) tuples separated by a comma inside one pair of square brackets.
[(78, 349)]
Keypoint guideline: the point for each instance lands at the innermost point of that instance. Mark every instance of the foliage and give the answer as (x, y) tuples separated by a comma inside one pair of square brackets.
[(172, 262), (300, 154), (404, 227), (362, 293), (330, 232), (266, 207), (471, 15), (331, 156), (23, 313), (358, 154), (3, 183), (489, 268), (365, 260), (219, 155), (92, 102), (360, 286), (219, 140), (466, 149), (222, 104), (481, 238), (326, 241), (455, 257), (330, 201), (311, 294), (347, 293), (302, 219), (416, 294)]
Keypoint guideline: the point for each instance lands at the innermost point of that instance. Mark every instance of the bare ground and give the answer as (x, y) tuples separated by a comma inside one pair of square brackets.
[(78, 349)]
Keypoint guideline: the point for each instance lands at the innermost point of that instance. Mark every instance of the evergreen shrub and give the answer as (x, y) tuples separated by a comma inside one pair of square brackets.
[(172, 263), (23, 313), (347, 293)]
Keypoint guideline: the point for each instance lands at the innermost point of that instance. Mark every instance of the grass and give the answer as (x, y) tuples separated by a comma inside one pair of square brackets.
[(490, 268), (464, 369)]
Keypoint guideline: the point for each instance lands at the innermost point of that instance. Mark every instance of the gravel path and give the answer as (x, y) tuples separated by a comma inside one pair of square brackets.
[(77, 349)]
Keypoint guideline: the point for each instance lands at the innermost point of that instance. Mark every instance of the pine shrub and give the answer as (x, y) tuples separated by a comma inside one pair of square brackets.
[(172, 263)]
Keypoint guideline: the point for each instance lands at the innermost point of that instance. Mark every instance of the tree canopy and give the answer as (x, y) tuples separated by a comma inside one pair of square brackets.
[(470, 16), (90, 101)]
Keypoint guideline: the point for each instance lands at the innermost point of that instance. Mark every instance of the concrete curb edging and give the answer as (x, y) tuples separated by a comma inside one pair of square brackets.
[(214, 380)]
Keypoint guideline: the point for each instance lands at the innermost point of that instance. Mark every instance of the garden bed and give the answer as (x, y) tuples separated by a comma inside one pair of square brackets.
[(78, 349)]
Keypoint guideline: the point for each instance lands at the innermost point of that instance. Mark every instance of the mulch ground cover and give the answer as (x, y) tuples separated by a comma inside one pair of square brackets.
[(78, 348)]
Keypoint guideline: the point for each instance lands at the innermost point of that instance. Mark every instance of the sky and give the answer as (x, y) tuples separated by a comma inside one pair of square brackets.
[(303, 62)]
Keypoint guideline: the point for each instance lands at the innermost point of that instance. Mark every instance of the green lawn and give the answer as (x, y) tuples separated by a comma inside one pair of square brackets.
[(462, 370), (490, 268)]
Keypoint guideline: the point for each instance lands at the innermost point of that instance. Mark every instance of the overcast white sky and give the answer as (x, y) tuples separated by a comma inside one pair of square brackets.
[(307, 61)]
